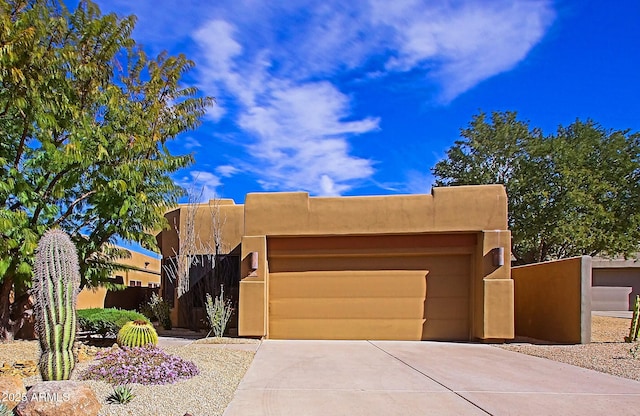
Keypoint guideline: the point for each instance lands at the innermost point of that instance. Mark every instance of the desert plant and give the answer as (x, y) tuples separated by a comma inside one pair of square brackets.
[(161, 310), (137, 334), (218, 313), (634, 329), (5, 411), (106, 322), (634, 351), (146, 310), (55, 287), (122, 394), (142, 365)]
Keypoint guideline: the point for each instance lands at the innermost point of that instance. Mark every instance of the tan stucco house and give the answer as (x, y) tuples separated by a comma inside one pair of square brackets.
[(141, 271), (405, 267)]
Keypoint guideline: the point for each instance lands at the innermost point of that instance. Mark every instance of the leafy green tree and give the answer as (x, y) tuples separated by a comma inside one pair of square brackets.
[(85, 116), (576, 192)]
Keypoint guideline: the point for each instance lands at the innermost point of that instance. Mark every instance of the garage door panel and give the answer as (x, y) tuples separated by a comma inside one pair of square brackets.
[(378, 329), (410, 297), (447, 308), (446, 264), (354, 308), (349, 284), (445, 329), (439, 286)]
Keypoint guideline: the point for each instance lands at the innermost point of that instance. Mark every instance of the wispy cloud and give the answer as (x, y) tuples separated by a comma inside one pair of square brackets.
[(418, 182), (302, 139), (299, 129), (277, 69), (274, 68), (201, 185), (227, 170), (190, 143), (460, 44)]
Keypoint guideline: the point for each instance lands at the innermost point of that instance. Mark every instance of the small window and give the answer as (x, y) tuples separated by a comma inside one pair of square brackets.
[(133, 283)]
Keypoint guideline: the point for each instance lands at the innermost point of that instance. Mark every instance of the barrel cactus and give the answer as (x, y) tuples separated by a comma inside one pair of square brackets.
[(55, 287), (137, 334)]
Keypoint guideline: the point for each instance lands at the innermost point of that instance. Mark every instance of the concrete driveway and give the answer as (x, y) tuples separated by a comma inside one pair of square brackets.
[(328, 378)]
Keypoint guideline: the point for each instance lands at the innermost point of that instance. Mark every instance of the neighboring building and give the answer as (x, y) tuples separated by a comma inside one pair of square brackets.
[(615, 284), (144, 271), (410, 267)]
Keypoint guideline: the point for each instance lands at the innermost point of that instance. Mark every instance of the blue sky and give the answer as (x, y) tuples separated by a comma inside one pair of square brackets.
[(363, 97)]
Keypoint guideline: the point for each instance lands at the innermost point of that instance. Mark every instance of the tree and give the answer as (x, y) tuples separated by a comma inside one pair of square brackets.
[(85, 116), (199, 264), (576, 192)]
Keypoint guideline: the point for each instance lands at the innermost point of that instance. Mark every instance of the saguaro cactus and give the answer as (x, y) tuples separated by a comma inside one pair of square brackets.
[(634, 329), (55, 288)]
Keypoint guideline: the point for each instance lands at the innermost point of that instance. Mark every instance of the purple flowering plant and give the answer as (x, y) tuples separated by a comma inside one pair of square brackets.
[(142, 365)]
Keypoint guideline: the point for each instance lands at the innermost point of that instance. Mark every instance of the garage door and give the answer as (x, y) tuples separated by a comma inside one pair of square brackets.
[(388, 287)]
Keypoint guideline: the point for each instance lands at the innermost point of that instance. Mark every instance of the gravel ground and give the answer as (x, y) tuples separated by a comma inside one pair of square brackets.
[(221, 369), (607, 353), (209, 393)]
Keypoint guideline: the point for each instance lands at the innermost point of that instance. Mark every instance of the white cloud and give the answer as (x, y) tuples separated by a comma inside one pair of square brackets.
[(462, 43), (419, 182), (272, 67), (302, 140), (201, 185), (227, 170), (299, 128), (190, 143)]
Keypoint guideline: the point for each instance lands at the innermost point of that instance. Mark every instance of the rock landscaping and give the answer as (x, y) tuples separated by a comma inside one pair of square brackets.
[(607, 352), (207, 393)]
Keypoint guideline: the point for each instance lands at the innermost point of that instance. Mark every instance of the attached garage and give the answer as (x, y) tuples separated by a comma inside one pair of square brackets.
[(410, 287), (402, 267)]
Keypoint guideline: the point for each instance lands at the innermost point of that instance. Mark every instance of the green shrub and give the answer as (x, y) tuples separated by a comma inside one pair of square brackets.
[(160, 309), (137, 334), (147, 311), (106, 322), (218, 313)]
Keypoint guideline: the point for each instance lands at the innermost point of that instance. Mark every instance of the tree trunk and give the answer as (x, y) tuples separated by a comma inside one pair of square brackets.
[(12, 314), (6, 324)]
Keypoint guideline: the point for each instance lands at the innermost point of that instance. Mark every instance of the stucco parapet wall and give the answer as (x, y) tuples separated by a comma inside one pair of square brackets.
[(447, 209), (229, 222)]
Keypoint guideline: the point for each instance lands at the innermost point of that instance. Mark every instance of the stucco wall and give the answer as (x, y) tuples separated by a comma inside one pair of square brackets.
[(553, 300), (91, 298), (145, 269), (459, 208), (203, 220), (230, 219)]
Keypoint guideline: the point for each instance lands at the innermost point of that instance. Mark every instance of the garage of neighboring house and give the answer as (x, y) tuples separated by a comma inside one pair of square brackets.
[(370, 287), (615, 284)]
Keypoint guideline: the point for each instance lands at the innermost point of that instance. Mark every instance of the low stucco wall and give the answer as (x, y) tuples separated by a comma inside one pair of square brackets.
[(553, 300), (91, 298)]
